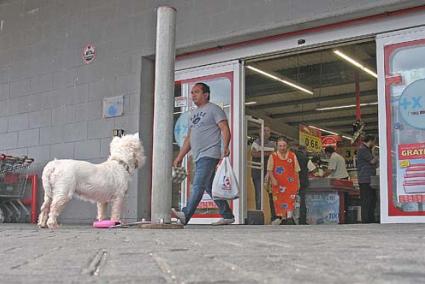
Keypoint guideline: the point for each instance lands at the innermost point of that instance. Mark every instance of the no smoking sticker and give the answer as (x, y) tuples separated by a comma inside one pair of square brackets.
[(89, 54)]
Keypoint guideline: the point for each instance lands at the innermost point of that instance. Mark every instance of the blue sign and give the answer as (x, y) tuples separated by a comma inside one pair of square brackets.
[(412, 104), (181, 128), (112, 110), (113, 106)]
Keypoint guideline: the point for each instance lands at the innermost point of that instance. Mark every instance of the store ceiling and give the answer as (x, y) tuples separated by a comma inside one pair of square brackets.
[(332, 81)]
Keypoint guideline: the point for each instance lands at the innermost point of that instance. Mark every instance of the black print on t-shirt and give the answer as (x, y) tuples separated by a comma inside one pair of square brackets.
[(196, 118)]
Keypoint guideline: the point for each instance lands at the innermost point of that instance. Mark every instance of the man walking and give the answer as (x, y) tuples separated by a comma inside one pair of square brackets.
[(207, 128), (366, 167)]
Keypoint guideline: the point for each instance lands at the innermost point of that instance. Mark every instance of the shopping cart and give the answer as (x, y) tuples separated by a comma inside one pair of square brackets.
[(13, 185)]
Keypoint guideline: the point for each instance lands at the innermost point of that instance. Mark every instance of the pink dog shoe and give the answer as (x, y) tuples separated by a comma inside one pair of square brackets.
[(105, 224)]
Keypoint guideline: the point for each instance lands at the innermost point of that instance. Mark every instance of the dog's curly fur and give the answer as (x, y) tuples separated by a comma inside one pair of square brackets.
[(101, 183)]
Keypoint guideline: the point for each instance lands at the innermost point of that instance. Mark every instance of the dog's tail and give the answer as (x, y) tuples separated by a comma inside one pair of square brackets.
[(48, 193), (46, 178)]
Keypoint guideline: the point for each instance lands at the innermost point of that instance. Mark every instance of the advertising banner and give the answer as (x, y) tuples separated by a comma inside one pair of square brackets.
[(402, 95), (322, 208), (411, 176), (330, 140)]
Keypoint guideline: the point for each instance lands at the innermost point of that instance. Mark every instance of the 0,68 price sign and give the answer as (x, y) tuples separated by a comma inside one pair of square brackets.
[(312, 143)]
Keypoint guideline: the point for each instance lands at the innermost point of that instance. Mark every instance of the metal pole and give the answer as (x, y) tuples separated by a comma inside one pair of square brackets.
[(163, 115), (358, 110)]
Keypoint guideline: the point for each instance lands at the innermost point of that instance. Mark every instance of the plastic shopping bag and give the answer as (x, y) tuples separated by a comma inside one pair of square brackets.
[(225, 186)]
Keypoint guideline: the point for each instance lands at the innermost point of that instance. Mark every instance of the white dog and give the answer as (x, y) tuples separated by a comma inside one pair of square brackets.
[(101, 183)]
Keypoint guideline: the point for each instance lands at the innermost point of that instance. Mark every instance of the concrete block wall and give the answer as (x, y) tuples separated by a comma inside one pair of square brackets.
[(51, 102)]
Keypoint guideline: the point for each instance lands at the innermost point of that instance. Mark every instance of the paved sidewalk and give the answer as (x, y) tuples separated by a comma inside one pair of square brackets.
[(205, 254)]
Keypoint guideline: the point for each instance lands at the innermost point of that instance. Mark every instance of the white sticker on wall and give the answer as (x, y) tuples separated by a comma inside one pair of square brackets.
[(180, 101), (113, 106)]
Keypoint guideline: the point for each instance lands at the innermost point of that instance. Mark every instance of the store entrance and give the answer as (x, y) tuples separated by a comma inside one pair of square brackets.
[(316, 100)]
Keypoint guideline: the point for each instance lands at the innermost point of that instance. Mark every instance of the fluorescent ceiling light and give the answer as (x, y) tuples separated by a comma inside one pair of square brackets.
[(355, 63), (330, 132), (284, 81), (333, 133), (345, 106), (323, 130), (250, 103)]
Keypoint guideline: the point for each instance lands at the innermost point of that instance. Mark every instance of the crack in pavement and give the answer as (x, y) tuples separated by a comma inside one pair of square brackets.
[(34, 258), (164, 267), (10, 249), (258, 277), (96, 263)]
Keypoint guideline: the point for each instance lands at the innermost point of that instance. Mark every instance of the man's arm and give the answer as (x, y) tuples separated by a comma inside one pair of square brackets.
[(255, 150), (225, 133), (183, 151), (257, 154), (365, 155)]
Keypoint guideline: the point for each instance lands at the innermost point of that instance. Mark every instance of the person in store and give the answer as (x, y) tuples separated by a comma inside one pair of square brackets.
[(269, 148), (301, 153), (366, 167), (336, 164), (337, 169), (283, 171)]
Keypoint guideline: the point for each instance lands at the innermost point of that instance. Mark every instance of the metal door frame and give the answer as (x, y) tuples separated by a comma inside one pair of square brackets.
[(257, 165)]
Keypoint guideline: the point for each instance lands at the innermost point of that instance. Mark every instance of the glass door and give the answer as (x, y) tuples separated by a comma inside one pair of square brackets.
[(223, 80), (402, 111)]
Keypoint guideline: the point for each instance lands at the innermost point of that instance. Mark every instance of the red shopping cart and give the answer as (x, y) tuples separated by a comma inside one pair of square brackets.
[(13, 185)]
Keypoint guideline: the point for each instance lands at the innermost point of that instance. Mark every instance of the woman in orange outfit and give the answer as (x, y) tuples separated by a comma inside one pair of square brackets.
[(283, 171)]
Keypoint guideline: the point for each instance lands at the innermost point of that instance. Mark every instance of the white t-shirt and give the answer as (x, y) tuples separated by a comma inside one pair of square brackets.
[(337, 164)]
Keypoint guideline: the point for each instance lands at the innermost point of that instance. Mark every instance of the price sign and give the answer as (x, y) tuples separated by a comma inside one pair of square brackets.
[(312, 143), (310, 138)]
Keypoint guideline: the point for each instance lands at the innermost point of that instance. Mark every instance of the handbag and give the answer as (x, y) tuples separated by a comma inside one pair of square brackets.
[(178, 174)]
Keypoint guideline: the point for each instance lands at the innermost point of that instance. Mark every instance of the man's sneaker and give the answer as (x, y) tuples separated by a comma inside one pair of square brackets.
[(277, 221), (223, 221), (179, 215)]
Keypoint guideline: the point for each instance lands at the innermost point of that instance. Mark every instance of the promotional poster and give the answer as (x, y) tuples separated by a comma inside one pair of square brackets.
[(411, 176)]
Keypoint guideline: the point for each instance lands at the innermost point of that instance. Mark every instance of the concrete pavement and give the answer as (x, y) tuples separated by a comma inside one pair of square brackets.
[(204, 254)]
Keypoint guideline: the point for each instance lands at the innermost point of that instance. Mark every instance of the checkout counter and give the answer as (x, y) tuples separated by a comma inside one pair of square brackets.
[(326, 200)]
